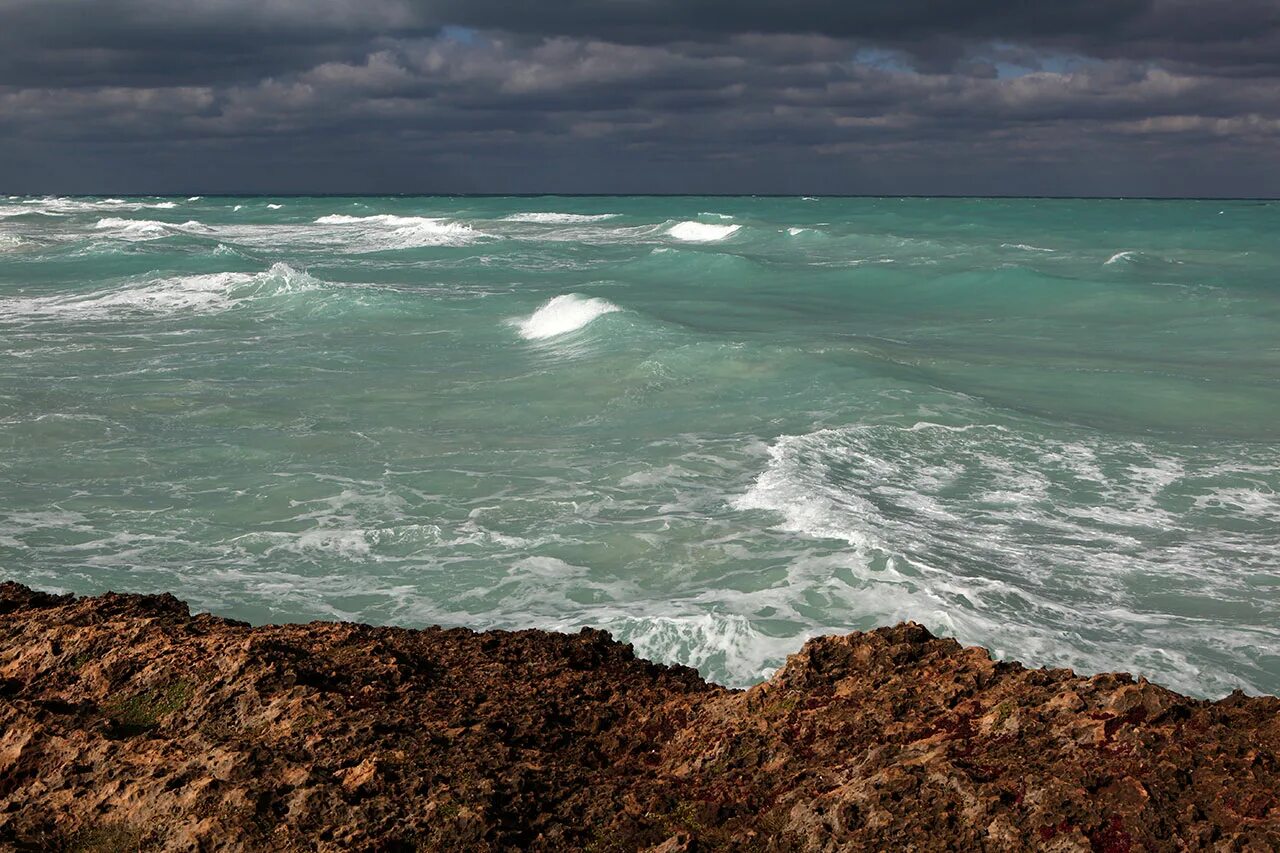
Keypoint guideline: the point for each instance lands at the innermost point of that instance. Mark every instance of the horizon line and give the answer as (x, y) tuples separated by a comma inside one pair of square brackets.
[(961, 196)]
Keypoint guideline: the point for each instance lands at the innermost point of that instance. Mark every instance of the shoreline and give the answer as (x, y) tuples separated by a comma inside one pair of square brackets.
[(128, 723)]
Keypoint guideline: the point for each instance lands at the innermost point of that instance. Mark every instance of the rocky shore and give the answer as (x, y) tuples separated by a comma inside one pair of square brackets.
[(128, 724)]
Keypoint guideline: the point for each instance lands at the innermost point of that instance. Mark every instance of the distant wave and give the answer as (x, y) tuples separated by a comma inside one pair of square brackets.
[(562, 314), (559, 218), (145, 229), (382, 219), (178, 294), (385, 232), (1120, 256), (1025, 247), (701, 232), (133, 229)]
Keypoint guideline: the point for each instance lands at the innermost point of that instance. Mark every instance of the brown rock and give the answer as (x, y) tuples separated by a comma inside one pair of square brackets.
[(128, 724)]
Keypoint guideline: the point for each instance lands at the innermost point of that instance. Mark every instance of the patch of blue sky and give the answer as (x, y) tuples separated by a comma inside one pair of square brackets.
[(466, 35), (883, 59)]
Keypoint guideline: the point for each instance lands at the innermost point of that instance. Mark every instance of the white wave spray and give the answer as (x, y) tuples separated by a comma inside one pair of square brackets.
[(701, 232), (563, 314)]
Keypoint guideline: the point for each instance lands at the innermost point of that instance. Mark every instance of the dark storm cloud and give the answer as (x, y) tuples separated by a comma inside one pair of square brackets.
[(385, 95)]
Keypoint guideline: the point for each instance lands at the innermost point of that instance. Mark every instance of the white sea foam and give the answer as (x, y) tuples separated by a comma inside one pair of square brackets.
[(1025, 247), (377, 219), (563, 314), (195, 198), (1120, 256), (274, 206), (179, 294), (724, 643), (701, 232), (385, 232), (145, 229), (1011, 540), (163, 205), (559, 218), (133, 229)]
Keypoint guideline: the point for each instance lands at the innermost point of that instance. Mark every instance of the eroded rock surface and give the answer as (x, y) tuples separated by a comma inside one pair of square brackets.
[(128, 724)]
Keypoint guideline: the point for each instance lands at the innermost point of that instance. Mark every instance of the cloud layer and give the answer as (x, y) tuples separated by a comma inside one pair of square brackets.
[(1130, 97)]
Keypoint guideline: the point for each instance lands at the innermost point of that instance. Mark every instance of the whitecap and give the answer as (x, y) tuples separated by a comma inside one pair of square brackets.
[(211, 292), (701, 232), (145, 229), (132, 229), (384, 232), (274, 206), (1120, 256), (559, 218), (562, 314)]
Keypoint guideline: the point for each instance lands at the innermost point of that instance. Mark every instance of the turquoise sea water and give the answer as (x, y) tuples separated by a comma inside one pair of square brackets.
[(713, 426)]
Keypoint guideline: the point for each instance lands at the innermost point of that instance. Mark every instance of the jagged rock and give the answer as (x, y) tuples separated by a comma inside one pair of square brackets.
[(128, 724)]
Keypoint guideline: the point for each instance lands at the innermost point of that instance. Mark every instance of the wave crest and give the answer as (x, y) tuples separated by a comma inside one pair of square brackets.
[(387, 232), (197, 294), (559, 218), (563, 314), (701, 232)]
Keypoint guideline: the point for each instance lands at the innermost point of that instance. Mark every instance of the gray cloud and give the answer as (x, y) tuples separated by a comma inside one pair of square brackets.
[(1096, 96)]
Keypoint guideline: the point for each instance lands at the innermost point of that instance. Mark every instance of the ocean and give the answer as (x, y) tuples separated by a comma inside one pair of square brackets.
[(712, 426)]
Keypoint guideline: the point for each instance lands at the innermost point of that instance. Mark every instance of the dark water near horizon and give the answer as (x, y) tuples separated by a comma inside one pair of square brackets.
[(713, 426)]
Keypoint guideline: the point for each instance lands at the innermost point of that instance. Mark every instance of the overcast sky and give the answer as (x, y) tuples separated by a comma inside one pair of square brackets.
[(1070, 97)]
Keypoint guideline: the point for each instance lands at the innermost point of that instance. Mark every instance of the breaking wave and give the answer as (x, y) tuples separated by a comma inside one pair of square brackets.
[(563, 314), (1013, 540), (145, 229), (559, 218), (180, 294), (386, 232), (726, 644), (701, 232)]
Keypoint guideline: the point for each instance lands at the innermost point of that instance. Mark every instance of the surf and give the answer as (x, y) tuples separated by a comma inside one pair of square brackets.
[(563, 314), (702, 232)]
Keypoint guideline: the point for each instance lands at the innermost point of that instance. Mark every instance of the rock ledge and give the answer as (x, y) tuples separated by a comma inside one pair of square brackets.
[(128, 724)]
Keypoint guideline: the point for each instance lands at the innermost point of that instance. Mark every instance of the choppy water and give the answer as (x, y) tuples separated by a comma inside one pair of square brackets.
[(713, 426)]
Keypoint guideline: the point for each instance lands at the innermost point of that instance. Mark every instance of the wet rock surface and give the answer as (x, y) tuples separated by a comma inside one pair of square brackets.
[(128, 724)]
